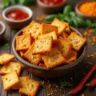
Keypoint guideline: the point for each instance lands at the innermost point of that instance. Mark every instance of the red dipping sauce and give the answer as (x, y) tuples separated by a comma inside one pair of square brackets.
[(52, 2), (17, 15)]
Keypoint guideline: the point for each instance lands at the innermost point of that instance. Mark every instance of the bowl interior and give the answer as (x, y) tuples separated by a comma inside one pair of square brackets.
[(80, 56), (17, 7)]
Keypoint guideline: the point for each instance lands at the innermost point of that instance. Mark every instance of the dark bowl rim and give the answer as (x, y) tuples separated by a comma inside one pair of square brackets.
[(47, 6), (3, 28), (80, 58), (13, 7), (80, 13)]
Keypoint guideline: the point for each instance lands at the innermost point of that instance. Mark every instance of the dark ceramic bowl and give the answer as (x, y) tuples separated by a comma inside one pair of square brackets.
[(17, 24), (51, 9), (82, 14), (2, 30), (54, 72)]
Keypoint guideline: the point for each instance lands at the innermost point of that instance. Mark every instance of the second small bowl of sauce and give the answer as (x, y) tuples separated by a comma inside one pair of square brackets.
[(17, 16)]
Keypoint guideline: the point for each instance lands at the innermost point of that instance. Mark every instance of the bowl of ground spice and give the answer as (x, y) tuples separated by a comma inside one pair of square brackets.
[(86, 9)]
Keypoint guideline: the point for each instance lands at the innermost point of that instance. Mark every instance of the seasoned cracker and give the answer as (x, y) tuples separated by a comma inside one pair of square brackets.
[(5, 58), (23, 42), (64, 46), (21, 81), (42, 45), (30, 87), (34, 59), (64, 35), (47, 28), (52, 34), (10, 67), (9, 80), (76, 40), (53, 58), (61, 25), (34, 28), (72, 56)]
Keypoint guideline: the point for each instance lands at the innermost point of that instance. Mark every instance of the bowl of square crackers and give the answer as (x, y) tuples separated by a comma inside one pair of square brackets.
[(49, 50)]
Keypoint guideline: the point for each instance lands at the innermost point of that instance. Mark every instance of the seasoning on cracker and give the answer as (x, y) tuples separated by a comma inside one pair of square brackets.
[(5, 58), (9, 80)]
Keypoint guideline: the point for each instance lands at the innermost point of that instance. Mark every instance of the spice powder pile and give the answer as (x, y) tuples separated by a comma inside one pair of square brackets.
[(88, 8)]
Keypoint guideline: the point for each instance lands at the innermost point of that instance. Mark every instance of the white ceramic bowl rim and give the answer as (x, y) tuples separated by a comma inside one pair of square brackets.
[(23, 8), (3, 27)]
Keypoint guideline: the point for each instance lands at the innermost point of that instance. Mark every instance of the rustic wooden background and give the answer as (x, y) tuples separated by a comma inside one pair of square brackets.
[(52, 87)]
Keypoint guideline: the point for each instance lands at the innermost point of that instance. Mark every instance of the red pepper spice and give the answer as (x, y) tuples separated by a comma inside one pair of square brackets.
[(82, 82), (52, 2), (92, 83), (17, 15)]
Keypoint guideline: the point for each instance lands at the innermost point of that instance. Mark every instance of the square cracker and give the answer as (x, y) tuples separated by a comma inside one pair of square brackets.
[(34, 28), (9, 80), (64, 46), (47, 28), (23, 42), (76, 40), (64, 35), (42, 45), (61, 25), (6, 58), (34, 59), (21, 81), (72, 56), (29, 87), (10, 67), (53, 34), (53, 58)]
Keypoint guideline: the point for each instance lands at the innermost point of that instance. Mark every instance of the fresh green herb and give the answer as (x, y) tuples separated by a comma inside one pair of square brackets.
[(6, 3), (70, 16), (6, 46), (14, 31), (65, 84)]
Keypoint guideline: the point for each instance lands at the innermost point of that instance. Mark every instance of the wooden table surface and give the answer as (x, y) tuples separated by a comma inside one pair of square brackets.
[(52, 87)]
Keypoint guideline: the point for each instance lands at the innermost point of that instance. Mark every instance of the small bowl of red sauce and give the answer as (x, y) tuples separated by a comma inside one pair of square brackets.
[(51, 6), (17, 16)]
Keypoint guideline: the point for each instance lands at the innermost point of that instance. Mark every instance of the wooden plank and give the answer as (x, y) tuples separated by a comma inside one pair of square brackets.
[(2, 50)]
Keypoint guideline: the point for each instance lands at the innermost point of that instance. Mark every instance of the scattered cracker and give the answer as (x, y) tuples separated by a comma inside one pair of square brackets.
[(9, 80), (6, 58), (30, 87), (12, 66)]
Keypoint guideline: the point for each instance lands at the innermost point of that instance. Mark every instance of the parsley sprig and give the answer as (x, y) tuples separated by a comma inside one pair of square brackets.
[(65, 84), (6, 46)]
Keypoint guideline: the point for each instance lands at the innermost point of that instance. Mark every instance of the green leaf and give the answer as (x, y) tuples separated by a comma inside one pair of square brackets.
[(6, 46), (88, 23), (51, 17), (65, 84), (72, 14), (14, 31), (67, 9)]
